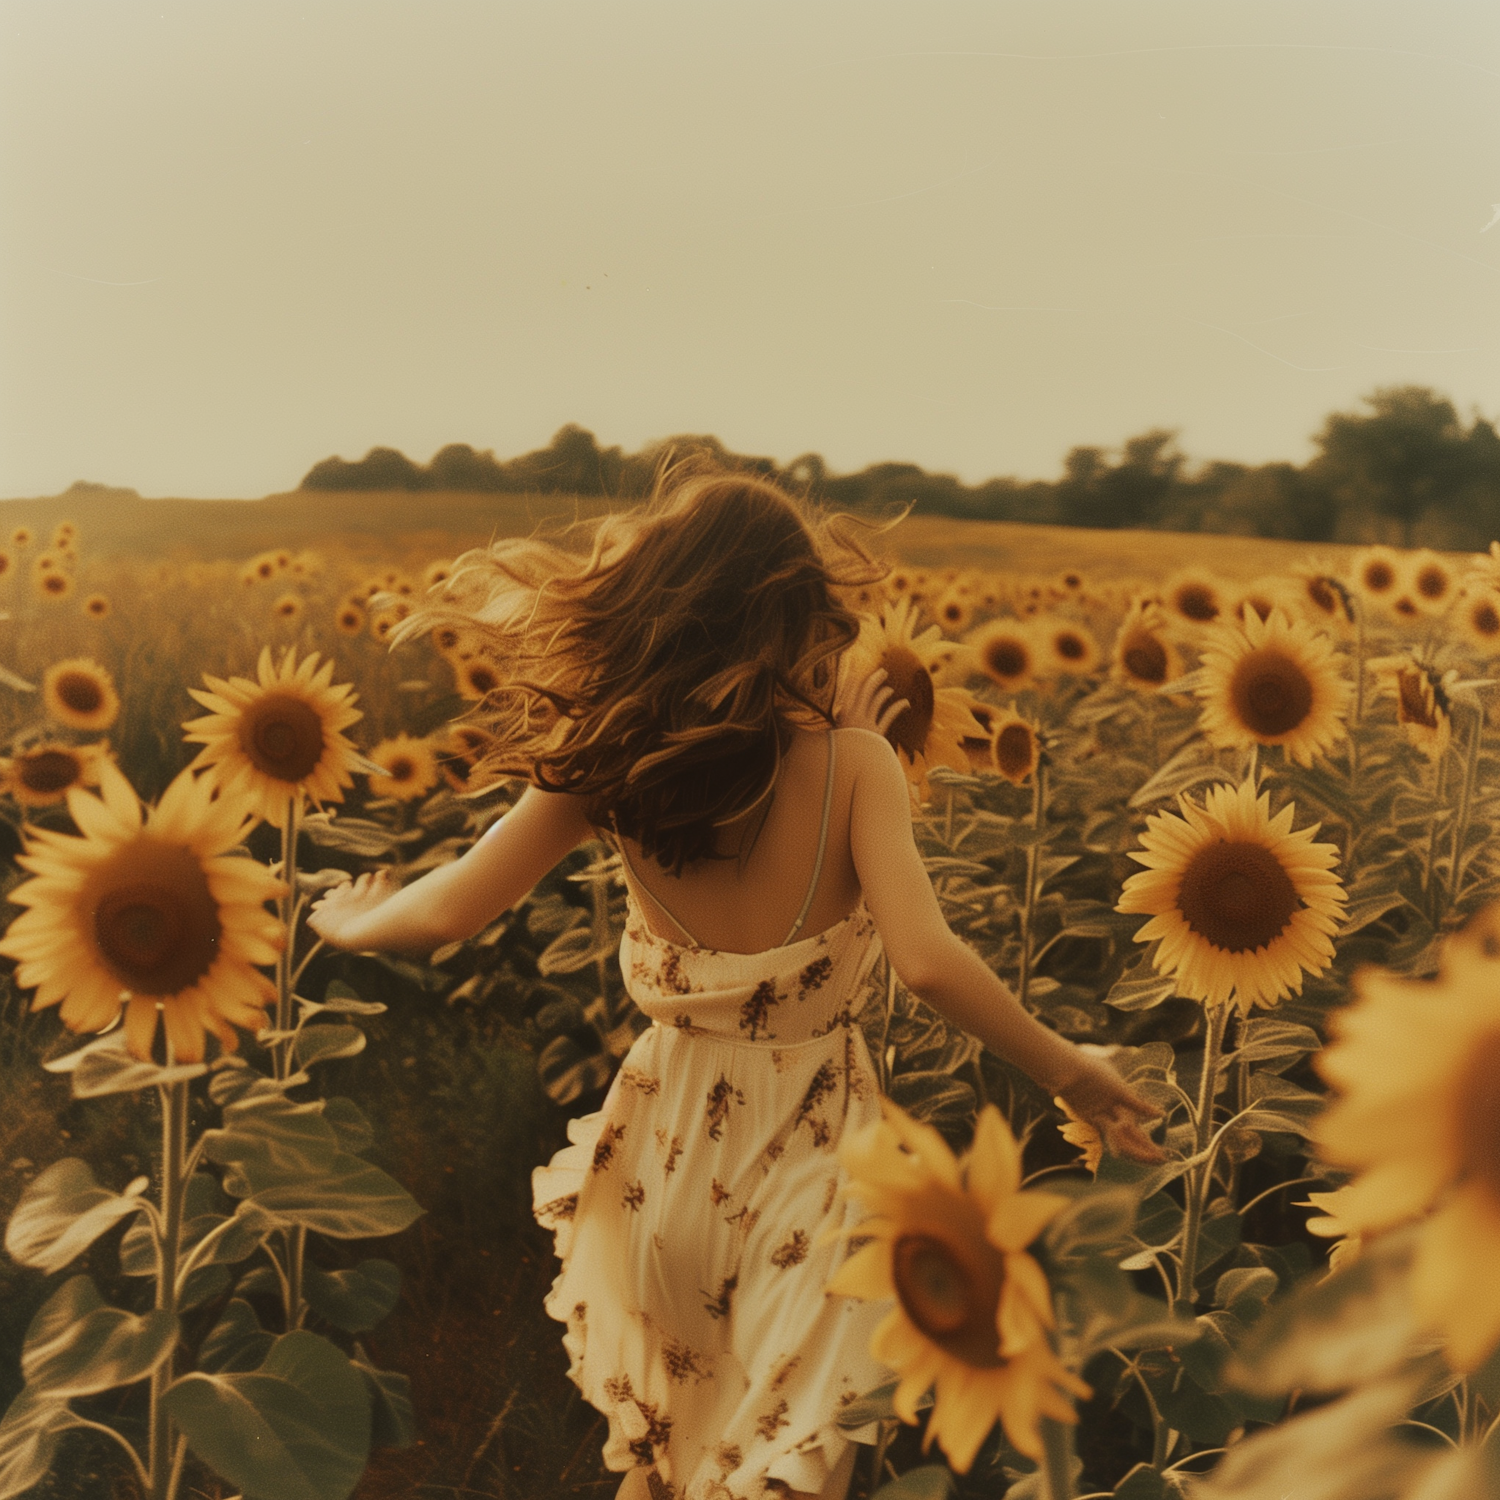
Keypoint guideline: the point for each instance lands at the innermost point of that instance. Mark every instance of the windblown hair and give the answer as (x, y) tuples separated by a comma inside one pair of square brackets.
[(660, 676)]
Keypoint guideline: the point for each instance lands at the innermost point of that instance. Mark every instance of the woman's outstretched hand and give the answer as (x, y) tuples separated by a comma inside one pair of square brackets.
[(866, 706), (1101, 1098), (334, 913)]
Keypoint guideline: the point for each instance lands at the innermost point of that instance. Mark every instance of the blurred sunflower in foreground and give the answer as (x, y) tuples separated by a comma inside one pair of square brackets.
[(1273, 682), (152, 914), (948, 1241), (279, 738), (931, 730), (1416, 1064), (1242, 905)]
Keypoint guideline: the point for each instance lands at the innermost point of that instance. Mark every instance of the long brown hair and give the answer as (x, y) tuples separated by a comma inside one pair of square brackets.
[(659, 677)]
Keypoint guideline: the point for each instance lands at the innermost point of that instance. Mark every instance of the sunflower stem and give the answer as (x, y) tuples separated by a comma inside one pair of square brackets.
[(1197, 1182), (948, 822), (1057, 1458), (174, 1109), (1028, 895), (1439, 777), (281, 1054), (1465, 806)]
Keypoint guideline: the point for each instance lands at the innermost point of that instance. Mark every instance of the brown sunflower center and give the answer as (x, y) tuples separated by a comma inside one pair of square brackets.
[(1196, 601), (1479, 1115), (1485, 619), (1378, 576), (909, 679), (283, 736), (1237, 896), (401, 769), (79, 692), (48, 771), (156, 923), (1145, 658), (1007, 657), (1069, 645), (949, 1298), (482, 678), (1014, 750), (1432, 582), (1270, 692), (1404, 607)]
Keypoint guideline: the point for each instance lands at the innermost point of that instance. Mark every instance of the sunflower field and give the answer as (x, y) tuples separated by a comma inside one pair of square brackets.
[(268, 1227)]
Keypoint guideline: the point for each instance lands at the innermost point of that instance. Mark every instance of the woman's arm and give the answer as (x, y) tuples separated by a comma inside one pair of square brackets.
[(454, 901)]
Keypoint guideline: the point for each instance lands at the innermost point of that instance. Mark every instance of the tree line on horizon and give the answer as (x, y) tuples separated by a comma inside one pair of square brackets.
[(1404, 471)]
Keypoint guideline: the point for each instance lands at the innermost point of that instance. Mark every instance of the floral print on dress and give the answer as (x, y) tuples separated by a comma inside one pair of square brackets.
[(689, 1240)]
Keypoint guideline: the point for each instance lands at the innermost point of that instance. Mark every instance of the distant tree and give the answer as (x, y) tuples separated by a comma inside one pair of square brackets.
[(1133, 493), (1409, 454), (379, 469), (459, 467)]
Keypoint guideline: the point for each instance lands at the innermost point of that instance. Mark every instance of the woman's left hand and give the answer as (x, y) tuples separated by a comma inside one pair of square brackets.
[(333, 915), (1101, 1098)]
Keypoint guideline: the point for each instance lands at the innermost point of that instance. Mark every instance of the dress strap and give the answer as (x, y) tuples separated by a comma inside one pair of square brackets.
[(822, 844), (624, 854)]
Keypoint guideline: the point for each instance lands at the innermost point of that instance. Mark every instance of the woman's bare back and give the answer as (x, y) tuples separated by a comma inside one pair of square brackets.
[(749, 906)]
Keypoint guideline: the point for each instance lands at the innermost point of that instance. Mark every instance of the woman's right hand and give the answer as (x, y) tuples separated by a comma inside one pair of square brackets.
[(867, 707)]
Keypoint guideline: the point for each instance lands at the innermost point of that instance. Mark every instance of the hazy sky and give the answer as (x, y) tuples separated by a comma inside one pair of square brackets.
[(237, 236)]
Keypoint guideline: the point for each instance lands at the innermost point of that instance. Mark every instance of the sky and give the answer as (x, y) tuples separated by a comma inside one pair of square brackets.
[(239, 236)]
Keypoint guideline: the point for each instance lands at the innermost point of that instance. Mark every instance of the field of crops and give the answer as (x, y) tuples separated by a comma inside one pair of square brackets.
[(1216, 807)]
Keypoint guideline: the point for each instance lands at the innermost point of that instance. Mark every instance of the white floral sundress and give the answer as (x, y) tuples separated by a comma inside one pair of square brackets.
[(686, 1213)]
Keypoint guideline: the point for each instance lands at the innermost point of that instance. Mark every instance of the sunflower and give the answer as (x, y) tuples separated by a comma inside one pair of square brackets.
[(43, 773), (1333, 1225), (1193, 597), (898, 582), (1262, 596), (1422, 707), (1006, 652), (1479, 616), (21, 537), (280, 737), (64, 534), (458, 752), (1066, 647), (953, 611), (1143, 657), (80, 693), (931, 729), (947, 1240), (7, 563), (1322, 598), (410, 766), (382, 622), (1273, 682), (1417, 1115), (1015, 747), (477, 678), (1430, 582), (1080, 1133), (287, 607), (151, 913), (53, 584), (350, 620), (96, 606), (1242, 905), (1375, 574), (435, 573)]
